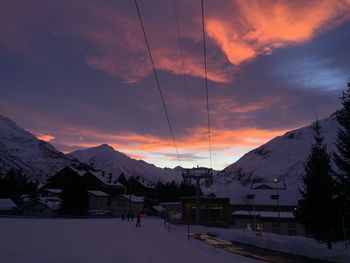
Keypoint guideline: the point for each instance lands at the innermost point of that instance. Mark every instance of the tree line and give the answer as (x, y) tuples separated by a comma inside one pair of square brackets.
[(324, 206)]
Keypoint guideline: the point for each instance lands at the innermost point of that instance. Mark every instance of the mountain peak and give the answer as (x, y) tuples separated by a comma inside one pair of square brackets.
[(105, 147)]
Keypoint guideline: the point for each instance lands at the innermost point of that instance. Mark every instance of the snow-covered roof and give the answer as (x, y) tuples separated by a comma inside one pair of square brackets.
[(134, 198), (51, 202), (7, 204), (54, 191), (98, 193), (99, 175), (266, 214), (158, 208), (146, 183), (238, 196), (80, 172), (279, 185)]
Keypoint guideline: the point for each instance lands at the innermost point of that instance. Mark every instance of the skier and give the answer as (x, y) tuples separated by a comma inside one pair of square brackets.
[(138, 221)]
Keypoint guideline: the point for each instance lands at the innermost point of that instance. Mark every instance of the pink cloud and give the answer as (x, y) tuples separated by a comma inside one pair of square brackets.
[(259, 27)]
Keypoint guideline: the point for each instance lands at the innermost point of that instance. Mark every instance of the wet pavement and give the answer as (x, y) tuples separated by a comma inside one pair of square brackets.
[(255, 252)]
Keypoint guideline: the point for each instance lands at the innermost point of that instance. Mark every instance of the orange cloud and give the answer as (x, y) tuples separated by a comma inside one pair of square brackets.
[(137, 143), (45, 137), (120, 50), (259, 27)]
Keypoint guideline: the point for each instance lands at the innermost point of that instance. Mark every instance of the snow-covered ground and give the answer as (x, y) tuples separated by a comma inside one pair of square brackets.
[(297, 245), (102, 241)]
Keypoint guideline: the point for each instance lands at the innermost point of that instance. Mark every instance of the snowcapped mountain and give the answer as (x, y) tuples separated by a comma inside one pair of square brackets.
[(20, 149), (104, 157), (280, 158)]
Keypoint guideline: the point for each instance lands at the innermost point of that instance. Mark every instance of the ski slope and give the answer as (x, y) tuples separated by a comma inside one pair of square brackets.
[(102, 241)]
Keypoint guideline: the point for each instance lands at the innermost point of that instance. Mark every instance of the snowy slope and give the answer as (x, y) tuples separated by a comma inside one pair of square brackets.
[(104, 157), (105, 241), (20, 149), (281, 158)]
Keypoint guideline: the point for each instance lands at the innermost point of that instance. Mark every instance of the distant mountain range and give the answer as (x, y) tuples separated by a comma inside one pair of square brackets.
[(20, 149), (281, 158), (39, 160), (104, 157)]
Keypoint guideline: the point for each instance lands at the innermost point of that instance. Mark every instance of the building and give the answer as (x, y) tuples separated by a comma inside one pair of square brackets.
[(213, 211), (49, 192), (283, 223), (94, 180), (137, 185), (98, 200), (7, 206), (265, 207), (125, 204), (42, 207)]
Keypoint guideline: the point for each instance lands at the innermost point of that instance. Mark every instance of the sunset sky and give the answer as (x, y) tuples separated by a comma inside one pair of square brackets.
[(77, 73)]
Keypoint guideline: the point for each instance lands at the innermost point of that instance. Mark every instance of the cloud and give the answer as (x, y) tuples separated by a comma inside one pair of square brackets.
[(45, 137), (259, 27)]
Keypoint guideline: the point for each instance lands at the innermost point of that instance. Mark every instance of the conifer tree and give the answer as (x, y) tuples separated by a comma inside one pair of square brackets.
[(316, 210), (342, 155)]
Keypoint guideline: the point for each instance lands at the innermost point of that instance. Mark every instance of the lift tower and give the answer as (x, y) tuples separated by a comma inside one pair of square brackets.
[(198, 174)]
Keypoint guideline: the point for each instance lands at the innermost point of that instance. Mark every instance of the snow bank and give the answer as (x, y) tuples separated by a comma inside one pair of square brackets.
[(290, 244)]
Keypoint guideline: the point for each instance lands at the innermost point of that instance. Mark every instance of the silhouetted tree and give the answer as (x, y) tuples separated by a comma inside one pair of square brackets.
[(14, 184), (342, 155), (317, 210)]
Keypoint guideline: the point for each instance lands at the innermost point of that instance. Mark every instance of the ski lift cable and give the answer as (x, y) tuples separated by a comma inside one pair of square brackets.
[(206, 82), (157, 81), (184, 69)]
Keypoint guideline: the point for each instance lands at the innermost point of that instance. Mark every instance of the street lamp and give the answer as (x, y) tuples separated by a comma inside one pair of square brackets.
[(278, 203)]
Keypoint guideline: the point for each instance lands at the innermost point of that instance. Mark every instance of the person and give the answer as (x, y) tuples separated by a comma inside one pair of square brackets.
[(128, 217), (138, 221), (123, 217), (132, 216)]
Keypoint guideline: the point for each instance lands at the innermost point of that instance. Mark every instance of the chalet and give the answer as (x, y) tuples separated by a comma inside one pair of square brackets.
[(137, 185), (265, 208), (99, 180), (98, 200), (125, 204), (7, 206), (42, 207), (94, 180)]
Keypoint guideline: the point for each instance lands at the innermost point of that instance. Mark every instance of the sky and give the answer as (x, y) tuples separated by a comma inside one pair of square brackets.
[(77, 73)]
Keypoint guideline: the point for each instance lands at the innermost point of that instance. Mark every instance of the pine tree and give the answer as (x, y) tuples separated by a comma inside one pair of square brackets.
[(342, 156), (316, 210)]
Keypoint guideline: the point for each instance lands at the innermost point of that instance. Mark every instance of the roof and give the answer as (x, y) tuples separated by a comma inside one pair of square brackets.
[(54, 191), (133, 198), (100, 176), (51, 202), (146, 183), (98, 193), (262, 197), (268, 185), (7, 204), (158, 208), (265, 214), (171, 203)]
